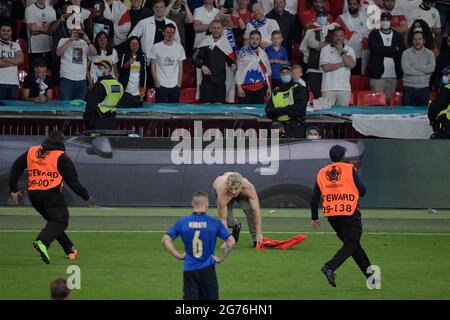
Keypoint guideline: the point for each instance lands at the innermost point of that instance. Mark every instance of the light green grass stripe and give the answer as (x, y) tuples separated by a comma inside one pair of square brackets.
[(265, 232), (177, 212)]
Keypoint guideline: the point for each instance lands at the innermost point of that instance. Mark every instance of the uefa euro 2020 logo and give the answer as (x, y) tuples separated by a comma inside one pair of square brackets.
[(373, 17)]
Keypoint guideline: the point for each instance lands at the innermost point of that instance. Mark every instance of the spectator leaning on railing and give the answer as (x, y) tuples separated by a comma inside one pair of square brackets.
[(38, 86)]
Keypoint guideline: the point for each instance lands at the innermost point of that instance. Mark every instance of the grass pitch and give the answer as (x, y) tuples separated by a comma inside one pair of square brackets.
[(120, 256)]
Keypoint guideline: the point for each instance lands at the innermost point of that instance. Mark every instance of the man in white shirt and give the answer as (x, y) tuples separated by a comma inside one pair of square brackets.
[(167, 67), (117, 12), (10, 57), (150, 32), (264, 25), (430, 15), (38, 17), (203, 16), (74, 52), (336, 60)]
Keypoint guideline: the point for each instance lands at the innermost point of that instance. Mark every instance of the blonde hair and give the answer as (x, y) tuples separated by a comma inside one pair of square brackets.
[(234, 180), (199, 199)]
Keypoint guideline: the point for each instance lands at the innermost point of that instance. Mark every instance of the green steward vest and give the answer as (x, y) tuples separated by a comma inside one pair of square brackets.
[(283, 99), (445, 111), (114, 92)]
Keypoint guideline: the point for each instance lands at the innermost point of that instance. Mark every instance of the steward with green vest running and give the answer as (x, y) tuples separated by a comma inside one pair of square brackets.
[(288, 104), (102, 99), (439, 110)]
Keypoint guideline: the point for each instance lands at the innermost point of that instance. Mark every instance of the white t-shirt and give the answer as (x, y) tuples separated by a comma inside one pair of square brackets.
[(9, 74), (389, 64), (48, 3), (206, 17), (112, 58), (133, 80), (408, 5), (167, 58), (266, 30), (74, 60), (431, 17), (41, 42), (338, 79)]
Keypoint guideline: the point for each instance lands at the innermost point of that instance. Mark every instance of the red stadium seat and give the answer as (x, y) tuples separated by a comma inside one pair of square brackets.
[(151, 95), (395, 99), (359, 83), (352, 99), (371, 98), (188, 80), (55, 93), (188, 95)]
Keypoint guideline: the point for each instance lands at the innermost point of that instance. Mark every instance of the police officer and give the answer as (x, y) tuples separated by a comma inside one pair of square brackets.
[(288, 104), (439, 110), (340, 187), (48, 165), (102, 99)]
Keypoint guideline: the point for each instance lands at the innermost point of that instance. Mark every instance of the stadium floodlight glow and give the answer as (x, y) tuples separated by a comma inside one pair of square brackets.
[(230, 148)]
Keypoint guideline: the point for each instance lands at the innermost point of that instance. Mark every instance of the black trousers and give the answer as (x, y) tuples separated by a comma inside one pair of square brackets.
[(212, 93), (167, 95), (104, 122), (53, 208), (349, 231), (200, 284), (315, 83), (253, 97), (130, 101)]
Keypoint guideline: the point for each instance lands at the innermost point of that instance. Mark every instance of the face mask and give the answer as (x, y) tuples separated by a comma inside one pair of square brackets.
[(313, 137), (98, 73), (286, 78), (445, 80), (385, 24), (322, 20)]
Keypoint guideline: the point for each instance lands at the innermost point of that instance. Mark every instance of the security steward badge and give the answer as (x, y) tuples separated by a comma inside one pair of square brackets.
[(115, 88)]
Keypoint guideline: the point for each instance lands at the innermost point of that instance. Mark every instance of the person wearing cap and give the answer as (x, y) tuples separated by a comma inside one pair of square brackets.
[(340, 187), (48, 166), (288, 104), (439, 110), (102, 100), (386, 47)]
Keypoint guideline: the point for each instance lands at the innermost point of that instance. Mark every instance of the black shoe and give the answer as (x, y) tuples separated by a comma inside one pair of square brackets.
[(331, 277), (236, 231), (254, 244)]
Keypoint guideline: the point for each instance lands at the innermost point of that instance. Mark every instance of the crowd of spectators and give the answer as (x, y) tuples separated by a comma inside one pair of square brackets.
[(233, 49)]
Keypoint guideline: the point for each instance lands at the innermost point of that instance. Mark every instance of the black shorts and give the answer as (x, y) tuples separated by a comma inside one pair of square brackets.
[(200, 284)]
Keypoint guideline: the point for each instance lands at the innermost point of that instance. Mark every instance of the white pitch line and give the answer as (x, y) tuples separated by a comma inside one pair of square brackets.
[(276, 232)]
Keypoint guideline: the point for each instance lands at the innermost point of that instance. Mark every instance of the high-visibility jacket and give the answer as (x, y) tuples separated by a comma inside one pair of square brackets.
[(114, 91), (339, 191), (445, 114), (283, 99), (42, 167)]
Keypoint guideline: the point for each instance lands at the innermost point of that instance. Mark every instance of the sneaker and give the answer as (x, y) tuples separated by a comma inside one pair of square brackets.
[(73, 254), (42, 249), (236, 231), (331, 277)]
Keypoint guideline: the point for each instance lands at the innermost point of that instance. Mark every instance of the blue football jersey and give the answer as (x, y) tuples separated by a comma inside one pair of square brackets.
[(199, 233)]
